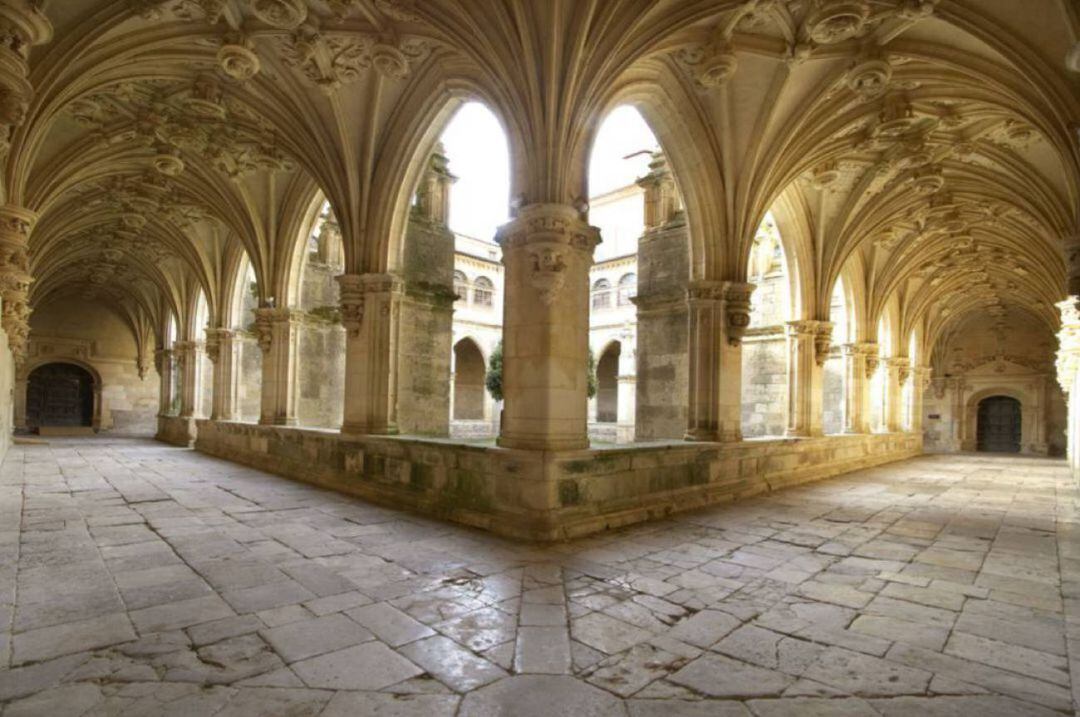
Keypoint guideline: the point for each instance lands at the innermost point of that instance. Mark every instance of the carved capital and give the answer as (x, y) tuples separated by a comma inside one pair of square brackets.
[(555, 240), (737, 310), (351, 291)]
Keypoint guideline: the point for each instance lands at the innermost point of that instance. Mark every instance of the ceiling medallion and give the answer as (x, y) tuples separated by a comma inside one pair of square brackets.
[(869, 79), (282, 14), (837, 20), (238, 61)]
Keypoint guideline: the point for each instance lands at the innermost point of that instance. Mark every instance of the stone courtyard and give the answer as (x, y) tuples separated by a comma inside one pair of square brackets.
[(149, 580)]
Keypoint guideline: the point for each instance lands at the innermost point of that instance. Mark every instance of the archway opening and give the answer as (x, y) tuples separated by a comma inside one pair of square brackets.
[(765, 354), (249, 359), (204, 370), (998, 425), (321, 360), (833, 382), (623, 154), (607, 384), (468, 381), (472, 166), (61, 395)]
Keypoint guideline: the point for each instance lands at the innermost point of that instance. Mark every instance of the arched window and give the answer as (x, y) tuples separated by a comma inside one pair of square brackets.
[(483, 291), (461, 286), (601, 294), (627, 288)]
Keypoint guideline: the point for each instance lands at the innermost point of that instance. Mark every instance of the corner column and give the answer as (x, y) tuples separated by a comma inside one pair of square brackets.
[(808, 348), (223, 349), (547, 252), (15, 226), (279, 339), (370, 311), (856, 387), (719, 316)]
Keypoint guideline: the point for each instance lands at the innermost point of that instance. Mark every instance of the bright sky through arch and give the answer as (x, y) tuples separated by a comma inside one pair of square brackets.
[(479, 157), (622, 133)]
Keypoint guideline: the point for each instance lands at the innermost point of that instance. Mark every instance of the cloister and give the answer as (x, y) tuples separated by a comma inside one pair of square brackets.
[(626, 327)]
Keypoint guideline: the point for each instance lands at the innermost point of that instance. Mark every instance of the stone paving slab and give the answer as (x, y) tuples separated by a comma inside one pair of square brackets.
[(150, 580)]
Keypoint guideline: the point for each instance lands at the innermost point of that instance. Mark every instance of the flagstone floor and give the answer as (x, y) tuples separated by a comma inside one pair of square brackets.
[(140, 579)]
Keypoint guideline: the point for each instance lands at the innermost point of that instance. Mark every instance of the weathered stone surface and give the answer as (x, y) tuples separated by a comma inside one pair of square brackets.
[(699, 614)]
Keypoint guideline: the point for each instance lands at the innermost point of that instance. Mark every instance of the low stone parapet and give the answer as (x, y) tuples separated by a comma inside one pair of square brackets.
[(545, 496)]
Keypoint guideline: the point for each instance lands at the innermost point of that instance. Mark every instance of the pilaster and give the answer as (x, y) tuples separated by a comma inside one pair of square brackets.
[(547, 252), (808, 349), (279, 339), (371, 312)]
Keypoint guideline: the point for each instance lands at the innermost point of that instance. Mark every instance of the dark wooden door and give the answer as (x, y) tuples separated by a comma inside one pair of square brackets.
[(59, 394), (999, 425)]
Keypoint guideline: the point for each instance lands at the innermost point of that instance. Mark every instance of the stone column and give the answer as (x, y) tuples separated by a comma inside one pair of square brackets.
[(547, 252), (808, 349), (223, 349), (279, 340), (1068, 371), (856, 387), (897, 370), (163, 362), (920, 383), (662, 360), (370, 311), (719, 316), (627, 390), (189, 354)]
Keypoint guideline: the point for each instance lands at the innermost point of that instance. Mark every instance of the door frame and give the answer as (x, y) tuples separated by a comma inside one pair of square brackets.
[(1015, 405)]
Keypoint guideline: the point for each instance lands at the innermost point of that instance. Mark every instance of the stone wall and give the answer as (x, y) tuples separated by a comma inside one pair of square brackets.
[(764, 383), (320, 374), (995, 356), (90, 334), (249, 393), (833, 398), (545, 495)]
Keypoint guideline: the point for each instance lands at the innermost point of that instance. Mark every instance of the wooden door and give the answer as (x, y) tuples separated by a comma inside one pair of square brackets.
[(59, 394), (999, 425)]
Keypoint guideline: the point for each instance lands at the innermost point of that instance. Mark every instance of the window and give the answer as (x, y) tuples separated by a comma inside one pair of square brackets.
[(627, 289), (601, 294), (461, 287), (483, 291)]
